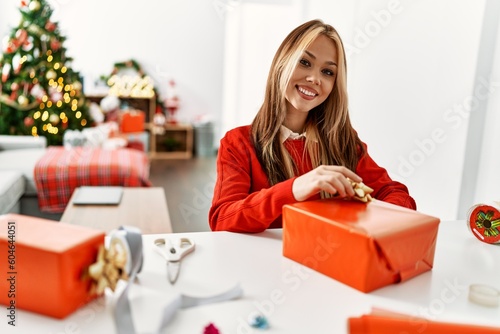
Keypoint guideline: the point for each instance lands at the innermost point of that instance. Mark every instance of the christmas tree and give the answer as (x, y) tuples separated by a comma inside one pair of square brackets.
[(40, 94)]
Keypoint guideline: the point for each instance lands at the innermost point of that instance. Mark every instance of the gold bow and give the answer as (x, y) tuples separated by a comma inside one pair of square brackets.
[(362, 191), (109, 267)]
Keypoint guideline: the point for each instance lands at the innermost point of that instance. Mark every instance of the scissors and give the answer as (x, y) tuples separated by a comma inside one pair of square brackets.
[(174, 252)]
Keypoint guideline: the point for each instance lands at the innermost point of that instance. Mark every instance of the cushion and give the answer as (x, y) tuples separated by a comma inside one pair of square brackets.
[(21, 142), (12, 185), (24, 161)]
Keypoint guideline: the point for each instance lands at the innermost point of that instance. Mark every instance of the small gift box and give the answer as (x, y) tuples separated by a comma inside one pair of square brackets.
[(138, 140), (132, 121), (364, 245), (47, 262)]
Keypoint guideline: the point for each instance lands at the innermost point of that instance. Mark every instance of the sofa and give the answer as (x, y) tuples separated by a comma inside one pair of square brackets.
[(18, 157)]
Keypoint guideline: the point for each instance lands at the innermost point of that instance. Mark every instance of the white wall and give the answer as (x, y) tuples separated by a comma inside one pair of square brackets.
[(254, 30), (406, 86), (411, 64), (182, 40), (488, 181)]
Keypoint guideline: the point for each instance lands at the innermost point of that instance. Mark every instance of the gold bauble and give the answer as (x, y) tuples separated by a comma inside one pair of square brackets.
[(77, 85), (34, 6), (51, 74), (22, 100), (54, 119)]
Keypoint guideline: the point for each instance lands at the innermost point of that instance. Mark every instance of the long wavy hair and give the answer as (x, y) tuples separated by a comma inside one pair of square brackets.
[(331, 139)]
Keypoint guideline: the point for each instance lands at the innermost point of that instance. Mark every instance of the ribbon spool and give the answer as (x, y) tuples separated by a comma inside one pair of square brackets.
[(483, 221), (118, 239)]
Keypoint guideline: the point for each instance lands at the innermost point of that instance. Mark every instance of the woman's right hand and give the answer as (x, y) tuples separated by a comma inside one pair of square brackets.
[(331, 179)]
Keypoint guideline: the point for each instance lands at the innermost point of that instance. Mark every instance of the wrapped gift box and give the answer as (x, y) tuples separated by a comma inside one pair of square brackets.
[(138, 140), (364, 245), (47, 260), (132, 121)]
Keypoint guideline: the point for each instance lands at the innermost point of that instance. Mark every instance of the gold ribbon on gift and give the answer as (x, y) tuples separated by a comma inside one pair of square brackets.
[(110, 266)]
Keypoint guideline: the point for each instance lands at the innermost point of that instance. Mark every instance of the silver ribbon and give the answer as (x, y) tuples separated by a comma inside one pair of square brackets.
[(123, 312)]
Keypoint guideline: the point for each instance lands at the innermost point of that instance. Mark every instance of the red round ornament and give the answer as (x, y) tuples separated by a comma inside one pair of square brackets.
[(28, 121), (55, 44), (50, 26)]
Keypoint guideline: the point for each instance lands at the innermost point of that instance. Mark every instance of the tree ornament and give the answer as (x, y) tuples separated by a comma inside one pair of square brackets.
[(50, 26), (6, 72), (21, 36), (34, 6), (22, 100), (24, 3), (28, 44), (37, 92), (51, 74), (14, 86), (77, 85), (54, 119), (34, 29), (55, 95), (8, 45), (16, 63), (28, 121), (32, 73), (55, 44)]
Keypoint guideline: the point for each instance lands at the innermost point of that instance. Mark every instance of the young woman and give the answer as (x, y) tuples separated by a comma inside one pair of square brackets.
[(301, 144)]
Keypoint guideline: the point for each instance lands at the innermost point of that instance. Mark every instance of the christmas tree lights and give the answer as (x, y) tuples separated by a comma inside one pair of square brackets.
[(40, 94)]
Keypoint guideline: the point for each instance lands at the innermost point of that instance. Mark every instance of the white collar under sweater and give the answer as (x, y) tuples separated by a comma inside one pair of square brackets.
[(286, 133)]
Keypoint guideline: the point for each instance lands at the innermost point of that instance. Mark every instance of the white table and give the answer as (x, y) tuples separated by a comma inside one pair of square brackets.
[(294, 298)]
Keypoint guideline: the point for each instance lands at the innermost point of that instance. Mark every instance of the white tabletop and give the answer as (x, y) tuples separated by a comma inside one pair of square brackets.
[(293, 298)]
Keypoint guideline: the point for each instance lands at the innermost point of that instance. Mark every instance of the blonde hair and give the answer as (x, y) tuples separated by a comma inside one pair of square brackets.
[(330, 140)]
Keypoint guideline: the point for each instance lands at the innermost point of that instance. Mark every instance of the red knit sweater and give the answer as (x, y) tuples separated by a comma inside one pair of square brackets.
[(243, 200)]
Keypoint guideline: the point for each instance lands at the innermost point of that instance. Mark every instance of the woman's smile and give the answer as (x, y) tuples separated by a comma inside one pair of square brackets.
[(306, 92)]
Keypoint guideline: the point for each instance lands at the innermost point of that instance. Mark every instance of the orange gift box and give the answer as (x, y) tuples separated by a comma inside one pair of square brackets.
[(132, 121), (45, 264), (364, 245), (395, 323)]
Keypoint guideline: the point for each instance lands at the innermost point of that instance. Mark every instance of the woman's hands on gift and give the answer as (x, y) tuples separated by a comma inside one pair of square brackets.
[(336, 180)]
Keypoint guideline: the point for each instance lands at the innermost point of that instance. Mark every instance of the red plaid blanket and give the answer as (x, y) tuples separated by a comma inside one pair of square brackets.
[(60, 171)]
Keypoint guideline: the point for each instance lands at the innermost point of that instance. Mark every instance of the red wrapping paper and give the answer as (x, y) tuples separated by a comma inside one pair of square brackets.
[(49, 261), (364, 245)]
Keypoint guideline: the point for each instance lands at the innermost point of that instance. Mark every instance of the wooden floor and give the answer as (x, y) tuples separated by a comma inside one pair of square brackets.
[(189, 186)]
